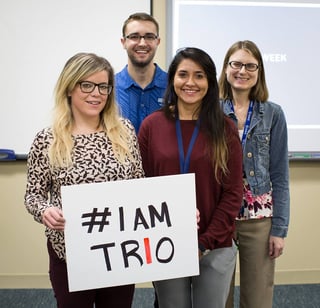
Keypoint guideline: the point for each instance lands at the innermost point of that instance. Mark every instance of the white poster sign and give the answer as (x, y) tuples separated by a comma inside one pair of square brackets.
[(130, 231)]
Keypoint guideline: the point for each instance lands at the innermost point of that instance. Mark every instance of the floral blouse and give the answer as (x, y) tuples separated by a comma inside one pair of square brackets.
[(254, 207)]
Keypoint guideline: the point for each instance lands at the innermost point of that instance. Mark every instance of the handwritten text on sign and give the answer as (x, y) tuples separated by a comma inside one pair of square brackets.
[(130, 231)]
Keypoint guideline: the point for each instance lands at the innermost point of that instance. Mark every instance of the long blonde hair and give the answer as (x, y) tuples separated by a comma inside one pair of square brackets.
[(76, 69)]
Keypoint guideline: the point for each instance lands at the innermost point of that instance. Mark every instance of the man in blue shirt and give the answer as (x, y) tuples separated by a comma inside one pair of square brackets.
[(141, 84)]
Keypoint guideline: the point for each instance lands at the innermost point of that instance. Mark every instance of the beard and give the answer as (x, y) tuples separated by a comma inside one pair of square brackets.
[(142, 63)]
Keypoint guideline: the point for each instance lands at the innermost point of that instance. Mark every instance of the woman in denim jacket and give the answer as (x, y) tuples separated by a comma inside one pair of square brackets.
[(262, 223)]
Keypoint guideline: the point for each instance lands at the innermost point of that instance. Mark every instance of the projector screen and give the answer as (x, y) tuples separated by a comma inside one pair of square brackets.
[(37, 38), (288, 36)]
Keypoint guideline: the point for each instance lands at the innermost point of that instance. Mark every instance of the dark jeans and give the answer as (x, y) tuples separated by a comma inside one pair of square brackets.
[(155, 304), (112, 297)]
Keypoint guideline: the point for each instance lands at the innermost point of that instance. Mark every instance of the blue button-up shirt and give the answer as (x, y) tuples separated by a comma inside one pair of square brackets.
[(136, 103)]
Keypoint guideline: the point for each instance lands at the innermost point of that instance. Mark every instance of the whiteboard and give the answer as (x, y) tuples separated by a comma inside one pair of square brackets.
[(37, 38), (287, 34)]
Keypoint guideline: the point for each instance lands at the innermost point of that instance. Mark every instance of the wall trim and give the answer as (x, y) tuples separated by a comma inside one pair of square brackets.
[(42, 281)]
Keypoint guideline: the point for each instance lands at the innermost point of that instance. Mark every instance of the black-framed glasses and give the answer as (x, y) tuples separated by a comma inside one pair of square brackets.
[(250, 67), (88, 87), (135, 37)]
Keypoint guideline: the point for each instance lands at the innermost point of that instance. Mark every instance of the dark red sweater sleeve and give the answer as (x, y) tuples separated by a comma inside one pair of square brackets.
[(218, 231)]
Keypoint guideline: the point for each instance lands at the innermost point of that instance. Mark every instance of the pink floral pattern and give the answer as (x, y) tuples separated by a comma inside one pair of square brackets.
[(255, 207)]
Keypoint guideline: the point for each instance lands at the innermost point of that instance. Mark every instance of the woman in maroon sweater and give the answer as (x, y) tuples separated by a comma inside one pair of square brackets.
[(192, 135)]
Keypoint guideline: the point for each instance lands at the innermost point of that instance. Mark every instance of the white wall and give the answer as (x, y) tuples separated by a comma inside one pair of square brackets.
[(37, 38)]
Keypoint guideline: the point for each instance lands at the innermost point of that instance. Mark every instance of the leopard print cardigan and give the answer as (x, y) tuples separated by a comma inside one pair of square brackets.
[(93, 161)]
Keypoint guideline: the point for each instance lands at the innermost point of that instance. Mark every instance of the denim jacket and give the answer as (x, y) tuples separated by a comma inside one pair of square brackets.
[(265, 159)]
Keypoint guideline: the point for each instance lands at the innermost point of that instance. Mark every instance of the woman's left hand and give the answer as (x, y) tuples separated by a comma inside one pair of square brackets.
[(276, 246)]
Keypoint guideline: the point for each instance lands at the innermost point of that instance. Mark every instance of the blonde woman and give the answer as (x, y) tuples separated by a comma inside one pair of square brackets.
[(88, 142)]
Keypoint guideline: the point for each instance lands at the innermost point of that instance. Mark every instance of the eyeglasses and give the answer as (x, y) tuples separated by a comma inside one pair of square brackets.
[(149, 37), (250, 67), (88, 87)]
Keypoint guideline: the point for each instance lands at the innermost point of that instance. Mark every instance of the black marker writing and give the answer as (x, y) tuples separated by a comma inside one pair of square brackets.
[(97, 219)]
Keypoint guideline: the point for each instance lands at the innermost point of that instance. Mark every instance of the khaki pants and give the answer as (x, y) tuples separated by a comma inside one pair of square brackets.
[(256, 267)]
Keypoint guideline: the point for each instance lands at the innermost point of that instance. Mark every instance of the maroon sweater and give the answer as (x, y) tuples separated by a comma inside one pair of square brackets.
[(218, 203)]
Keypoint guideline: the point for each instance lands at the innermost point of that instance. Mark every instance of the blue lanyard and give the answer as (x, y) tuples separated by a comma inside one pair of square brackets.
[(185, 162), (247, 123)]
